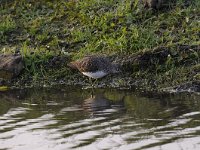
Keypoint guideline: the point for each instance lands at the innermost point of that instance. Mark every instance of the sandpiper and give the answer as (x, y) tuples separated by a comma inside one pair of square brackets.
[(95, 66)]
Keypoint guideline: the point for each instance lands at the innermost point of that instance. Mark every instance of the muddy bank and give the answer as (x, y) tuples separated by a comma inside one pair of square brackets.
[(161, 69), (193, 86)]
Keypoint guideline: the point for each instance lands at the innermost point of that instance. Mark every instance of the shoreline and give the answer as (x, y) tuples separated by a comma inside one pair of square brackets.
[(138, 72)]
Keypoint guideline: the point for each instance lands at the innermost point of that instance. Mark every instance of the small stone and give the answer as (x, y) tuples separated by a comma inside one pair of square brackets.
[(11, 66)]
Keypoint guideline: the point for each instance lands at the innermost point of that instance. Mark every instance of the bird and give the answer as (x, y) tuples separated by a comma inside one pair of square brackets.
[(95, 66), (155, 4)]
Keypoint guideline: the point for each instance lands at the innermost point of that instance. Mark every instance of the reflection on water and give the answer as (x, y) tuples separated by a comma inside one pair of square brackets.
[(99, 105), (71, 118)]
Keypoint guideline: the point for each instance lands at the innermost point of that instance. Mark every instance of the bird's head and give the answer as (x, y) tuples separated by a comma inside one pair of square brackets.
[(72, 65)]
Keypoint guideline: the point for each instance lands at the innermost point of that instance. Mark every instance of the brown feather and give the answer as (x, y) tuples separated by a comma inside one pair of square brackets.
[(92, 64)]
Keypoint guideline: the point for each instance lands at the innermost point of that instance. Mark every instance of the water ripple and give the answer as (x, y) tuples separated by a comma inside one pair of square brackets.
[(100, 123)]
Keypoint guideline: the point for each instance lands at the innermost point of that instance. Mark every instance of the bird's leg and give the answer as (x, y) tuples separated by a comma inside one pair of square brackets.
[(95, 81), (91, 82)]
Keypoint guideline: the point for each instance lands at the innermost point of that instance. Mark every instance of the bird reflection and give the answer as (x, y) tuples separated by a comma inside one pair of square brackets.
[(98, 105)]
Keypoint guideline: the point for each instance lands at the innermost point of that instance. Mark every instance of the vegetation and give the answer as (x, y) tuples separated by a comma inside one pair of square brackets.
[(41, 30)]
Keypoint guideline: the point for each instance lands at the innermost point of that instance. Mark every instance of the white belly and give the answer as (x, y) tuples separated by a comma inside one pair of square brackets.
[(95, 75)]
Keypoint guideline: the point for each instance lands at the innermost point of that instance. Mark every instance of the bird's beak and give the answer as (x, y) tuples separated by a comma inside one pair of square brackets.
[(71, 65)]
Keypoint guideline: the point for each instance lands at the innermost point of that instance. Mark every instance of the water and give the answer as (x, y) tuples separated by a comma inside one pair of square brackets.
[(64, 118)]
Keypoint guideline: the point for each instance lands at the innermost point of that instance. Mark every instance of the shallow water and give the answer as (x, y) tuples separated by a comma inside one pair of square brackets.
[(63, 118)]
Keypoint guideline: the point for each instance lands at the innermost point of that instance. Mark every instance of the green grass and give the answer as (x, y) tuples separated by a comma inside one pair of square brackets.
[(7, 24), (102, 26), (41, 28)]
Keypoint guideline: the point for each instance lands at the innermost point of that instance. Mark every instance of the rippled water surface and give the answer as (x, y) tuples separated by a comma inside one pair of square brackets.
[(64, 118)]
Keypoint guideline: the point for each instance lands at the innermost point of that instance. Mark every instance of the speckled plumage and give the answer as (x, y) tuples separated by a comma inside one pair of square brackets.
[(92, 64)]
